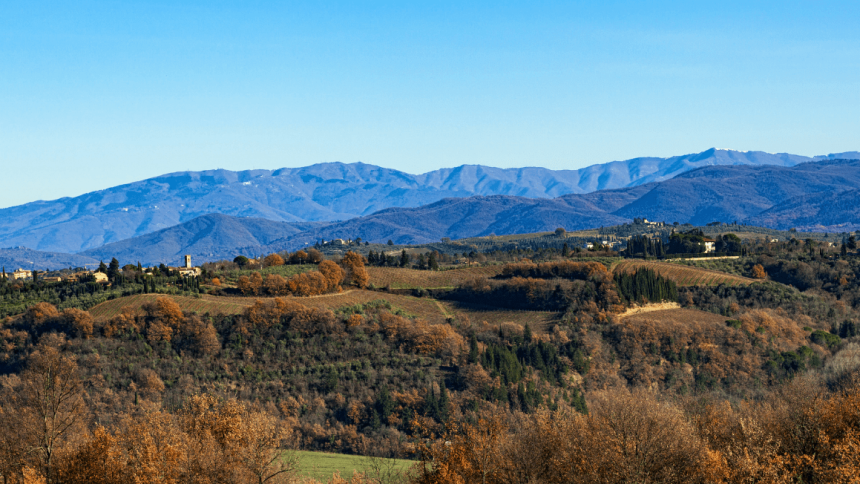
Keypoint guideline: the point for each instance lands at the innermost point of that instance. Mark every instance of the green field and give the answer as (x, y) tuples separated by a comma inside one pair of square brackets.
[(322, 465)]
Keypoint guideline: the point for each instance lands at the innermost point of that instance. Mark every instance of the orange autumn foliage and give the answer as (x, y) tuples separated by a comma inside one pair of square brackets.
[(326, 279), (356, 274), (273, 260)]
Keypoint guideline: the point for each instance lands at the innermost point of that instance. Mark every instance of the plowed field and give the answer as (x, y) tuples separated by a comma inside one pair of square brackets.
[(428, 309), (684, 275), (413, 278)]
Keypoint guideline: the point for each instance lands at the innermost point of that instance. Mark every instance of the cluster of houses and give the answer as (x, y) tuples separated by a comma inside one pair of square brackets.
[(23, 274), (187, 270), (605, 243), (339, 242)]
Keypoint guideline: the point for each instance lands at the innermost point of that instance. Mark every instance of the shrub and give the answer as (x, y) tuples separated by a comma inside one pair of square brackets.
[(824, 338)]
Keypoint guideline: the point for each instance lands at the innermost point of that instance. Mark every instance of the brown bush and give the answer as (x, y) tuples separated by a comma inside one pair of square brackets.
[(299, 257), (356, 274), (80, 321), (163, 317), (39, 313), (275, 285), (250, 285), (265, 314), (315, 256), (273, 260), (634, 437)]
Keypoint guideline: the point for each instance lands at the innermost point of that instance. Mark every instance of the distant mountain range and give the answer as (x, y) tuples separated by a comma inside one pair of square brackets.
[(772, 196), (29, 259), (715, 193), (732, 186), (324, 192), (205, 238)]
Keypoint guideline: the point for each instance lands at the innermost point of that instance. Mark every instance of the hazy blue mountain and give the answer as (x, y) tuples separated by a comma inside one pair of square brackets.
[(729, 193), (772, 196), (714, 193), (458, 218), (205, 238), (820, 212), (24, 258), (323, 192)]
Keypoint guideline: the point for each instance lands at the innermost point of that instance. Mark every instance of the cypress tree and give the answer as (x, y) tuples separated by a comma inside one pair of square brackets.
[(444, 404), (473, 349), (432, 263)]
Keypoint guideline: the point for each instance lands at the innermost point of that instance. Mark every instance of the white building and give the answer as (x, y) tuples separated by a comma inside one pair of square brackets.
[(21, 274)]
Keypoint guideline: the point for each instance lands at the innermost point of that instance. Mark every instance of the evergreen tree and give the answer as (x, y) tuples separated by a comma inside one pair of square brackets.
[(522, 397), (577, 401), (113, 268), (444, 404), (473, 349), (404, 258), (102, 267), (646, 285), (432, 263), (384, 403)]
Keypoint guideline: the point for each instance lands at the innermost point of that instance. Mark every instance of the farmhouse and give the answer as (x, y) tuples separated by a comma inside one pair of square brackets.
[(710, 245), (188, 270), (76, 276), (21, 274)]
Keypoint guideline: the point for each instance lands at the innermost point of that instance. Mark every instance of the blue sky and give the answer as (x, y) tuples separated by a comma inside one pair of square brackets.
[(96, 94)]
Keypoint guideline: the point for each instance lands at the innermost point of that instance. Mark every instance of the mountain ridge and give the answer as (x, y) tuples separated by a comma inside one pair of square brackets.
[(817, 195), (323, 192)]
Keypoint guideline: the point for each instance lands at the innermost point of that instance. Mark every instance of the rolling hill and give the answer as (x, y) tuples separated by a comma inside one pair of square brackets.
[(322, 192), (728, 193), (828, 211), (209, 237), (24, 258)]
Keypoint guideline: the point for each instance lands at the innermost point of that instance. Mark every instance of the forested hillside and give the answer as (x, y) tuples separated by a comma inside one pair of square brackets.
[(548, 350)]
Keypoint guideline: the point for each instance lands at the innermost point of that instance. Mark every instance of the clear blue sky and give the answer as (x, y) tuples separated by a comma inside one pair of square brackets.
[(96, 94)]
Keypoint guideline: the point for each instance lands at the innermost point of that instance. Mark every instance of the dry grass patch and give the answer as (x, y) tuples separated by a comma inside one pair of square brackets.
[(683, 275), (397, 278)]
